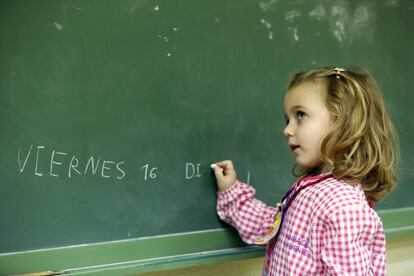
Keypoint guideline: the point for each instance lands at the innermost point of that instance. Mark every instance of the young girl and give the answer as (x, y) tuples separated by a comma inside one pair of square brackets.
[(345, 147)]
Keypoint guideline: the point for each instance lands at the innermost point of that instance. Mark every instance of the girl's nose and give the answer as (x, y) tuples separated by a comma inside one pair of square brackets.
[(288, 131)]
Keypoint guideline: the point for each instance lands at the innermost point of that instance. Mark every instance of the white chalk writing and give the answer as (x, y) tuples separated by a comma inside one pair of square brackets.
[(57, 160)]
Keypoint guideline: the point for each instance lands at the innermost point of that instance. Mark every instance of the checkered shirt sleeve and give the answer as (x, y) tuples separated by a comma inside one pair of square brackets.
[(348, 248), (251, 217)]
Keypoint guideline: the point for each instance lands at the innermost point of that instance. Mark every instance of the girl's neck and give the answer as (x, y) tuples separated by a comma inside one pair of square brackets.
[(326, 169), (321, 170)]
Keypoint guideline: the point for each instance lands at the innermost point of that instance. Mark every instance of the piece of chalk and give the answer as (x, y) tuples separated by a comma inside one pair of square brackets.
[(213, 166)]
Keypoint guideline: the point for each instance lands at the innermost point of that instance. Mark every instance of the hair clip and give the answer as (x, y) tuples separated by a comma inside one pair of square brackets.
[(338, 71)]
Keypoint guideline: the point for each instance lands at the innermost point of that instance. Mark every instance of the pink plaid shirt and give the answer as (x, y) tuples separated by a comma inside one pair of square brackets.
[(329, 229)]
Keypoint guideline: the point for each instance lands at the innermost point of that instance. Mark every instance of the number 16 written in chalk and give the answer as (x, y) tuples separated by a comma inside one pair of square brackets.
[(149, 172)]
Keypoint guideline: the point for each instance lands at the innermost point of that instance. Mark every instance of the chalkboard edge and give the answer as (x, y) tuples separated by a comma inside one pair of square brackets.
[(133, 255), (398, 223)]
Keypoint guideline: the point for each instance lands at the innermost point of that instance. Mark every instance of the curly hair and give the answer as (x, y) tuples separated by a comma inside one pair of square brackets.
[(362, 146)]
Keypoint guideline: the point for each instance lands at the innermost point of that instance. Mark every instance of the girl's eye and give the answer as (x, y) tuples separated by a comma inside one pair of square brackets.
[(300, 115)]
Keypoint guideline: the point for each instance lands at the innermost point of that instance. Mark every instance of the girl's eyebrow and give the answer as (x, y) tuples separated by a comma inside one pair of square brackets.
[(296, 107)]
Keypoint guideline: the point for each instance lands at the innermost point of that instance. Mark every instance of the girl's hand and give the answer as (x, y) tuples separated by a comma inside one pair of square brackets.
[(225, 174)]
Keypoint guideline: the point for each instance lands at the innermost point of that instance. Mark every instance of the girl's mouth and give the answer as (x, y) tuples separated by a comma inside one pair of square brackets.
[(293, 147)]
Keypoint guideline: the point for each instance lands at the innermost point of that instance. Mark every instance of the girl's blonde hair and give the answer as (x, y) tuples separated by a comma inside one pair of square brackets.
[(362, 146)]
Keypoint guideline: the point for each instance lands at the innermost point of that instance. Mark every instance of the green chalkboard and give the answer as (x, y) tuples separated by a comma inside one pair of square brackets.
[(112, 111)]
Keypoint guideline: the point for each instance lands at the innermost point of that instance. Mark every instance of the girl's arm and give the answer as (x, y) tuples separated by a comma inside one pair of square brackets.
[(354, 243), (251, 217), (236, 205)]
